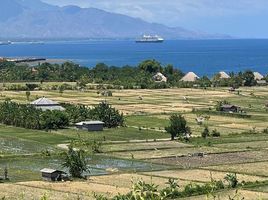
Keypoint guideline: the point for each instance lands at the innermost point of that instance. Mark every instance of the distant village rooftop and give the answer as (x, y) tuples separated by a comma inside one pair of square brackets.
[(47, 104), (258, 76), (224, 75), (159, 77), (190, 77)]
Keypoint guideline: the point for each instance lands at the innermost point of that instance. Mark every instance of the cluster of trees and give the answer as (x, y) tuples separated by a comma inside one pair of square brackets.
[(178, 128), (103, 112), (27, 116), (127, 76), (246, 78), (45, 72)]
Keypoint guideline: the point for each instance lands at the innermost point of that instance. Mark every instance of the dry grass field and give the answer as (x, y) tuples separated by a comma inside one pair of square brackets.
[(131, 151), (254, 168)]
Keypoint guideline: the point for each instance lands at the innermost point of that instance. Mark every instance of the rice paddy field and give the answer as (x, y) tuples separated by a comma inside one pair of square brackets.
[(142, 149)]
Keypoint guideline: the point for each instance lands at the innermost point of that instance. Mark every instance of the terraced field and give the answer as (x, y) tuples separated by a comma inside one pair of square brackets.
[(142, 149)]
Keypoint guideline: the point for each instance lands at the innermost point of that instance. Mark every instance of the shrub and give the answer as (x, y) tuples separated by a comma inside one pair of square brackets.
[(76, 162), (265, 130), (232, 180), (215, 133), (205, 132)]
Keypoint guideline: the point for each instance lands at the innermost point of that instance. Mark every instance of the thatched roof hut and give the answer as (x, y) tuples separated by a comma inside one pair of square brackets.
[(223, 75), (159, 77), (258, 76), (190, 77)]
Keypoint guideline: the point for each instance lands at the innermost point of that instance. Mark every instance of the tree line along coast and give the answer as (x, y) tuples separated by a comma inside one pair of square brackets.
[(149, 74)]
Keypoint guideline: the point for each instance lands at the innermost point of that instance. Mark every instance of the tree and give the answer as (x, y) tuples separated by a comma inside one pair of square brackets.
[(83, 81), (61, 89), (249, 78), (178, 126), (219, 104), (28, 94), (110, 116), (76, 162), (150, 66), (205, 132), (31, 86)]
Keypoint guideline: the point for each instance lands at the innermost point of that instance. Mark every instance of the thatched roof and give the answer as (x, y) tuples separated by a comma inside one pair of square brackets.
[(159, 77), (224, 75), (190, 77), (258, 76), (47, 104)]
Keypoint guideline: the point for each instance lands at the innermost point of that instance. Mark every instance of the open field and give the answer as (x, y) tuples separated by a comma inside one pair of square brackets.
[(226, 195), (255, 168), (203, 175), (142, 149), (214, 159)]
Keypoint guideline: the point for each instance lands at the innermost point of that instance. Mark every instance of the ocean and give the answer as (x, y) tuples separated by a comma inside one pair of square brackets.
[(204, 57)]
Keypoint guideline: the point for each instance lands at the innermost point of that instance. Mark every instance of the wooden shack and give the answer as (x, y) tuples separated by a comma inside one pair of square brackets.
[(53, 175), (90, 125), (230, 108)]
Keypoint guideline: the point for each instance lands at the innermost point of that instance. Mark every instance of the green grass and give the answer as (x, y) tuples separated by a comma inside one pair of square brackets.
[(33, 135), (146, 121), (116, 134)]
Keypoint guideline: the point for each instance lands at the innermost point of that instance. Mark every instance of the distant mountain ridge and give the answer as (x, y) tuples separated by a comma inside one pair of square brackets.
[(35, 19)]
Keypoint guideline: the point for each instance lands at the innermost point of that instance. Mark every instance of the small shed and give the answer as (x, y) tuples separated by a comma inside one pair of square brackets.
[(90, 125), (231, 89), (230, 108), (53, 175)]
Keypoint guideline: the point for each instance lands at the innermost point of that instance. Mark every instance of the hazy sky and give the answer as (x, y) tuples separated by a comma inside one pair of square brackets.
[(241, 18)]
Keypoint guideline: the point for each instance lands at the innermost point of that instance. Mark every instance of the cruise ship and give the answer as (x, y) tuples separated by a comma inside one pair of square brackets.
[(5, 43), (150, 39)]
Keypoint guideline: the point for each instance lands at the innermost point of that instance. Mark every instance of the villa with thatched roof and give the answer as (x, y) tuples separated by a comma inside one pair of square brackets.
[(190, 77), (159, 77), (223, 75), (258, 76), (47, 104)]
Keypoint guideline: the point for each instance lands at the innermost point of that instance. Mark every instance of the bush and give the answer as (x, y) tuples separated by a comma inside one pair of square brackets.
[(265, 130), (215, 133), (232, 180), (205, 132), (76, 162)]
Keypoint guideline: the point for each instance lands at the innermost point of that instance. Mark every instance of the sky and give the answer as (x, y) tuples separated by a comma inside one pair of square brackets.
[(238, 18)]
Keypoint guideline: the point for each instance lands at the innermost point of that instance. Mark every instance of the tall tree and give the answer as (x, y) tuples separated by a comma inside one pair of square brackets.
[(178, 126), (76, 162)]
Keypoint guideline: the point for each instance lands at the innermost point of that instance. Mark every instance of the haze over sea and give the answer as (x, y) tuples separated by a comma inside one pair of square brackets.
[(204, 57)]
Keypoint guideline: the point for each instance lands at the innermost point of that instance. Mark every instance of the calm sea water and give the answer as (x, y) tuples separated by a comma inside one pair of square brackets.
[(204, 57)]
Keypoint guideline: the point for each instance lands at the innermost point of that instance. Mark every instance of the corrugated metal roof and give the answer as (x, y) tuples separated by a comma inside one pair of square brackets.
[(47, 104), (47, 170), (44, 102), (89, 123)]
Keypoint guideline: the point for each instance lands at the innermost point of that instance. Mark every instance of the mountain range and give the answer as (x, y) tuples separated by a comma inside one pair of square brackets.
[(36, 19)]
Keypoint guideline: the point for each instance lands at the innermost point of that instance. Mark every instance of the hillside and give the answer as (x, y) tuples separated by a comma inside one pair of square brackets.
[(35, 19)]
